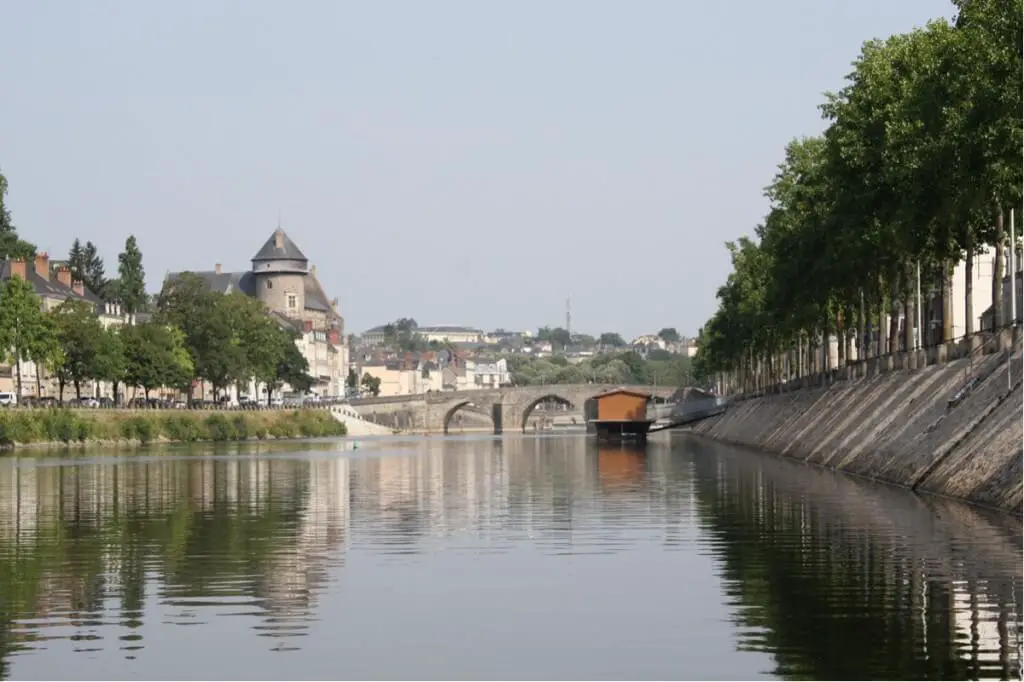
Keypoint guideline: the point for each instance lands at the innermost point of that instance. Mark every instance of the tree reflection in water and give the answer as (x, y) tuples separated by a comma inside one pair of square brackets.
[(835, 578)]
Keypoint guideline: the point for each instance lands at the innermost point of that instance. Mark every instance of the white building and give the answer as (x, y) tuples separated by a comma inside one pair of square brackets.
[(491, 374), (439, 333)]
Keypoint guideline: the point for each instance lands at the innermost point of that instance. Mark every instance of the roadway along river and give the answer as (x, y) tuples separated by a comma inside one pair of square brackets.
[(480, 558)]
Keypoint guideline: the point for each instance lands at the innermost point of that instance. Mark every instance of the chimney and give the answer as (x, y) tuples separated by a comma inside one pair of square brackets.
[(64, 276), (218, 268), (279, 239), (78, 287), (43, 265), (312, 270), (18, 268)]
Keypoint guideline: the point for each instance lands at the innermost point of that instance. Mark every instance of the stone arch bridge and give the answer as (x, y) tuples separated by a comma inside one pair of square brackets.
[(509, 408)]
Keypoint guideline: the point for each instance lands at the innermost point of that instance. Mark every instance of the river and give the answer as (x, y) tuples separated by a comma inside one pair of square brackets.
[(538, 557)]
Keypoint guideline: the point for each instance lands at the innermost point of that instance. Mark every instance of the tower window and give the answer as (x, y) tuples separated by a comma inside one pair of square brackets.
[(293, 301), (270, 284)]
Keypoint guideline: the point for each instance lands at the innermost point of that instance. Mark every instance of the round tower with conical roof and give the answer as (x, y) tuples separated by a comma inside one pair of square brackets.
[(279, 269)]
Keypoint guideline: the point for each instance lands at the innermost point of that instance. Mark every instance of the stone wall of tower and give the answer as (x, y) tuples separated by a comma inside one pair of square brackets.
[(275, 290)]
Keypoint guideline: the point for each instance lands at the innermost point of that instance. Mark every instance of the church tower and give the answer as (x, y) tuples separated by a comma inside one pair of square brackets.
[(279, 269)]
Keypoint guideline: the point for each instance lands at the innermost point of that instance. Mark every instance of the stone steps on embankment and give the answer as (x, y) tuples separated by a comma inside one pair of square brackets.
[(900, 427), (356, 425)]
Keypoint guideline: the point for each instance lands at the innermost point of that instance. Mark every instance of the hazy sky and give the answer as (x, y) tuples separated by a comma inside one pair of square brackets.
[(459, 162)]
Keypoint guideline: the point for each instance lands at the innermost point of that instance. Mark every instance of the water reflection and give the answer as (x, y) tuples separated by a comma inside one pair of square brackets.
[(813, 575)]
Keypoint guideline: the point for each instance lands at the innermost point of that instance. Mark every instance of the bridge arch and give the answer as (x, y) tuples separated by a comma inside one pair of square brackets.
[(451, 412), (548, 397)]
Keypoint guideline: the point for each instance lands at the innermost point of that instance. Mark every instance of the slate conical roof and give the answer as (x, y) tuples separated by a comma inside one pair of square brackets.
[(279, 247)]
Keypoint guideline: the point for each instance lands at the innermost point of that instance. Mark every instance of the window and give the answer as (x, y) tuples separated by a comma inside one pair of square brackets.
[(270, 284), (293, 301)]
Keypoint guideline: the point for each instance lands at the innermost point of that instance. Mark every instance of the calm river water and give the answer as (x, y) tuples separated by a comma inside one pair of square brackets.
[(517, 558)]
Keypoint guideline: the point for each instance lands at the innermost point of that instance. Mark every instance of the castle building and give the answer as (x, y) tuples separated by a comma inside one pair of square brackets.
[(283, 279)]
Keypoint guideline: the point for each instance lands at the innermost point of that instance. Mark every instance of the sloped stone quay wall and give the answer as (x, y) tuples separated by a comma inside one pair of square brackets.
[(900, 427)]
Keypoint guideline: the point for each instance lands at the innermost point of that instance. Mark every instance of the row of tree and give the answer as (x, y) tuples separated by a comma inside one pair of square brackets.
[(195, 334), (919, 165), (659, 367)]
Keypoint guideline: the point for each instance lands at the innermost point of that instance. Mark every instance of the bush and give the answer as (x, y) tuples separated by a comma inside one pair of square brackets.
[(218, 428), (241, 427), (139, 428), (182, 428)]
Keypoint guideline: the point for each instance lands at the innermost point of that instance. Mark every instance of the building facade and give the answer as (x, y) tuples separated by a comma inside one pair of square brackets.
[(53, 286), (439, 333)]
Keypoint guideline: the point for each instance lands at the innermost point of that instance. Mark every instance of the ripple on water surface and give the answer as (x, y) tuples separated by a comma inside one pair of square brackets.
[(528, 558)]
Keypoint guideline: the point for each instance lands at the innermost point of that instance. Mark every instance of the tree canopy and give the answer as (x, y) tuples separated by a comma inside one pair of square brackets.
[(11, 246), (230, 338), (919, 165)]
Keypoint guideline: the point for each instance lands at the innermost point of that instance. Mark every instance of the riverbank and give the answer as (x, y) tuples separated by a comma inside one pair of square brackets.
[(952, 429), (63, 427)]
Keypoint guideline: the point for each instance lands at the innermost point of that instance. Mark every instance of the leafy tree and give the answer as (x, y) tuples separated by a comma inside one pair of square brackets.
[(131, 285), (10, 245), (611, 340), (85, 345), (292, 366), (210, 336), (155, 356), (108, 363), (77, 261), (22, 324), (558, 337), (669, 335), (371, 384), (917, 167), (352, 380), (584, 340), (93, 274), (44, 349)]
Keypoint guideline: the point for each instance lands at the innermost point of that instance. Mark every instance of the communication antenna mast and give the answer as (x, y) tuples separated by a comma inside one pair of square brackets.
[(568, 315)]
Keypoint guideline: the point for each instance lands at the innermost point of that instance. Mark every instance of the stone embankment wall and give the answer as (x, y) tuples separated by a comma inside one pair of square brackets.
[(952, 429)]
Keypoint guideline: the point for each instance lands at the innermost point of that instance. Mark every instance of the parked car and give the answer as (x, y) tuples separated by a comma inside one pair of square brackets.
[(8, 399)]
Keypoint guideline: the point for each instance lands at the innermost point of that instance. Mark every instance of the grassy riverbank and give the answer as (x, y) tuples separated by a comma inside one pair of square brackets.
[(65, 426)]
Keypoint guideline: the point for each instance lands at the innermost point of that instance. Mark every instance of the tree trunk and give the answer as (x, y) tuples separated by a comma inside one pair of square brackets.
[(947, 302), (78, 389), (39, 383), (969, 283), (800, 355), (908, 323), (841, 339), (862, 332), (17, 364), (880, 334), (998, 318), (894, 327), (60, 389)]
